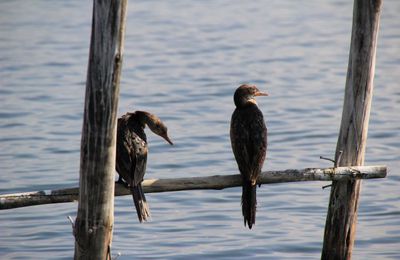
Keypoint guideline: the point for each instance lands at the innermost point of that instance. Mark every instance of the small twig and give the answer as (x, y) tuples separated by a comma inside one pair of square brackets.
[(72, 222), (109, 252), (118, 255), (326, 186), (109, 255), (337, 162), (355, 170), (328, 159), (73, 226)]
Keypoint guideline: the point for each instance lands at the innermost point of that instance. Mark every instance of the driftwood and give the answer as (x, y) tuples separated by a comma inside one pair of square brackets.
[(216, 182)]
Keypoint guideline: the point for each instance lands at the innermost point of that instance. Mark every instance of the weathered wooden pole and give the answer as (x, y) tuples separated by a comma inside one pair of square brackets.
[(342, 212), (95, 217), (216, 182)]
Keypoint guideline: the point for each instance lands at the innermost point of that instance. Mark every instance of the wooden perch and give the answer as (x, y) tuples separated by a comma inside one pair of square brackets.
[(341, 219), (216, 182)]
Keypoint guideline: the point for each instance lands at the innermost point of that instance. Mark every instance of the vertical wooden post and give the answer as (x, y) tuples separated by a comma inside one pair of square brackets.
[(342, 212), (95, 217)]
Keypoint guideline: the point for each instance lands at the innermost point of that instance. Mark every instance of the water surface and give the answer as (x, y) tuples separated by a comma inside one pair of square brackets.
[(183, 61)]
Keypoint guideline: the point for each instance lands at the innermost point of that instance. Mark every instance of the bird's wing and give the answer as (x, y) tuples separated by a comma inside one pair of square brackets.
[(258, 141), (123, 162), (131, 154), (239, 142), (249, 143), (139, 159)]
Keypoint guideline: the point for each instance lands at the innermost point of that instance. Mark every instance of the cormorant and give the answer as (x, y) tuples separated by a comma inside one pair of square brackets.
[(249, 144), (131, 156)]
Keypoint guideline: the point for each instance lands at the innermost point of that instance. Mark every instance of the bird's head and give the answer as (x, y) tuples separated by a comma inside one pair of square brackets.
[(157, 126), (245, 94)]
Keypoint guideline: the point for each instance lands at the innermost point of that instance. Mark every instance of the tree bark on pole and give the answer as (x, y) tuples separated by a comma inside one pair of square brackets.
[(342, 212), (95, 217)]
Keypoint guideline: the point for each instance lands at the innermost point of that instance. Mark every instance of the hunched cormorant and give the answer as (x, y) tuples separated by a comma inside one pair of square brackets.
[(131, 156), (249, 144)]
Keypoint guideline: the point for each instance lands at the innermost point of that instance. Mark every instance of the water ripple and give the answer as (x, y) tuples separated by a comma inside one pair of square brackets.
[(182, 61)]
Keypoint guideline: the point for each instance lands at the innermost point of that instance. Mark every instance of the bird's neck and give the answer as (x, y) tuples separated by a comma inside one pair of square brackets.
[(143, 118), (252, 101), (136, 122), (243, 103)]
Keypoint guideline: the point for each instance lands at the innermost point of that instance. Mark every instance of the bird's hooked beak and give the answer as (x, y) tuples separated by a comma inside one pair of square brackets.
[(165, 136), (259, 93)]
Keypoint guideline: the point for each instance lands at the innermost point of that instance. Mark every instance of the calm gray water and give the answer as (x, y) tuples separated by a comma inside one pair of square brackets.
[(183, 61)]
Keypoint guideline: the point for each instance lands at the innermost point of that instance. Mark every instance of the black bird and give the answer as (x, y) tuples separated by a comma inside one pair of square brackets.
[(249, 144), (131, 154)]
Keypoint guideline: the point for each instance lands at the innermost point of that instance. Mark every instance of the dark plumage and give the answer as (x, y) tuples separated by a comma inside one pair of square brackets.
[(249, 144), (131, 156)]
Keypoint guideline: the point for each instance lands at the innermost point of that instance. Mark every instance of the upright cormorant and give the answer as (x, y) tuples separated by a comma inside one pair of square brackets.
[(131, 154), (249, 144)]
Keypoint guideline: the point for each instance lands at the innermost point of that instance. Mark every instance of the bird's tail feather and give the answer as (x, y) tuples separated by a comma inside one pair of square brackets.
[(249, 202), (142, 208)]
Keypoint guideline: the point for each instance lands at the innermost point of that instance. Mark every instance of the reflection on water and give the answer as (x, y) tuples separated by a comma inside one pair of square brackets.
[(183, 60)]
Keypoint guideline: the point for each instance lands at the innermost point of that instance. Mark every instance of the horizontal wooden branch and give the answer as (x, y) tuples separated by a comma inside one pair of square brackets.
[(216, 182)]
